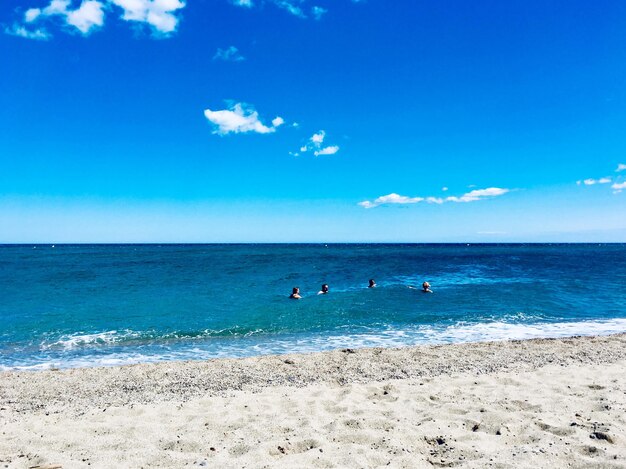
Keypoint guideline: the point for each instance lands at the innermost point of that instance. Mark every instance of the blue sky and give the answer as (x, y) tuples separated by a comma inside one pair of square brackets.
[(286, 120)]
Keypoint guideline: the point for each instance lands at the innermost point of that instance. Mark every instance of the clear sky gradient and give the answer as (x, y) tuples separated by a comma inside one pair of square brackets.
[(140, 121)]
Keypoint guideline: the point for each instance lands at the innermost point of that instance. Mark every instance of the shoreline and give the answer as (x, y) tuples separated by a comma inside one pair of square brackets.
[(542, 402), (186, 379), (191, 350)]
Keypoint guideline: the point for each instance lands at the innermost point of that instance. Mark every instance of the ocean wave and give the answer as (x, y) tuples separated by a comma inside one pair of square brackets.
[(72, 341), (128, 337), (70, 354), (500, 330)]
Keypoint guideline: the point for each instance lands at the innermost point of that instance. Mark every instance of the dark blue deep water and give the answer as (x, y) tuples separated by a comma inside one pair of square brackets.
[(94, 305)]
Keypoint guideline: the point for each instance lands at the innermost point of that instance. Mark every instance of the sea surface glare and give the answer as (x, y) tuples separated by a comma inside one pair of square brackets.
[(97, 305)]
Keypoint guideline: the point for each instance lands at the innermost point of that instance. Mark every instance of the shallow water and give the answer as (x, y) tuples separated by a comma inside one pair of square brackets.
[(93, 305)]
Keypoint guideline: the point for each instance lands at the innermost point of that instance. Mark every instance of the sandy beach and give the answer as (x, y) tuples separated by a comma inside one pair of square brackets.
[(535, 403)]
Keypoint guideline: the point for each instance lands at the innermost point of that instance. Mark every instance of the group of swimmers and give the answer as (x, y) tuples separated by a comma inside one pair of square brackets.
[(295, 293)]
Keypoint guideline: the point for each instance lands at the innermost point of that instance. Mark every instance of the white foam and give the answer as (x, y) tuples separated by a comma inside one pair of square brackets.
[(497, 330), (72, 341), (69, 355)]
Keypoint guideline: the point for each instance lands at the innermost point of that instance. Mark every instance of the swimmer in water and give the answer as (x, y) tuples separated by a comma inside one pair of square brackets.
[(324, 290), (295, 294), (372, 283), (426, 287)]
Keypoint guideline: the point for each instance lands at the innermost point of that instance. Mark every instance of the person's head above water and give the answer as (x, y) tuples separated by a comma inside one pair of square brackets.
[(324, 289), (295, 293), (426, 287), (372, 283)]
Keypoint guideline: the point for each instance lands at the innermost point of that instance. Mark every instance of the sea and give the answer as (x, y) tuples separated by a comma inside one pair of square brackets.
[(66, 306)]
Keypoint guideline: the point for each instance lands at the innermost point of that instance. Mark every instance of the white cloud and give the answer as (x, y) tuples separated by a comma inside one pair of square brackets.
[(315, 145), (331, 150), (392, 198), (291, 7), (295, 7), (619, 187), (617, 184), (471, 196), (478, 194), (160, 15), (230, 54), (21, 31), (444, 189), (56, 7), (89, 15), (240, 118), (318, 12), (490, 192), (318, 138), (31, 14), (591, 182)]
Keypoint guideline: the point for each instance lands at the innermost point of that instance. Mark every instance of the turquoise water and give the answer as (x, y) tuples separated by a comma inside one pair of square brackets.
[(95, 305)]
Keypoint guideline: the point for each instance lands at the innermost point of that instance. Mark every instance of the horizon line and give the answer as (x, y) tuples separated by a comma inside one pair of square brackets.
[(208, 243)]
